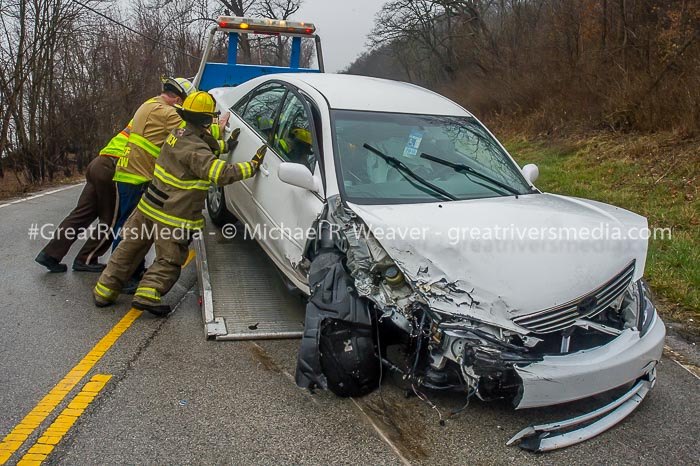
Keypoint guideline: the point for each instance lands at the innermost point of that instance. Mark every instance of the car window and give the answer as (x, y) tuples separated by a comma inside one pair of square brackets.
[(239, 106), (293, 138), (455, 154), (262, 108)]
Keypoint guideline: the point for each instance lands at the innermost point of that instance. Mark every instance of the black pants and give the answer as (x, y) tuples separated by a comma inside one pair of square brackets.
[(97, 201)]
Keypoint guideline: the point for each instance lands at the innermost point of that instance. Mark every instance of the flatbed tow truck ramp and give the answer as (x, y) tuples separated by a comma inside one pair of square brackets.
[(242, 295)]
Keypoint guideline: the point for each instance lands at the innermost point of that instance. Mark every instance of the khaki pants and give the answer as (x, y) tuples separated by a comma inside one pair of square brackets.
[(140, 232), (97, 201)]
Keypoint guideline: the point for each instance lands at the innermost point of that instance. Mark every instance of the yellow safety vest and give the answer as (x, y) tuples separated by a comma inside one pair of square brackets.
[(117, 145)]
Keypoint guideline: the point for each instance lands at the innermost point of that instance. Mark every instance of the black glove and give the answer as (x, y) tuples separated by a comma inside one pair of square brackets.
[(258, 158), (233, 139)]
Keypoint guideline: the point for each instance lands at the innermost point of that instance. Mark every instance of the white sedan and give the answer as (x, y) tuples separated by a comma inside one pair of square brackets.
[(410, 226)]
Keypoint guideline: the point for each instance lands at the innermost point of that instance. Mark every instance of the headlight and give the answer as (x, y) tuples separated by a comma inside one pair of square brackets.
[(636, 309), (647, 310)]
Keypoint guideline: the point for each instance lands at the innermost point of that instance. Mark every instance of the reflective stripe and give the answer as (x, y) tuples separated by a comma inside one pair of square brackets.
[(169, 220), (169, 179), (129, 178), (144, 144), (127, 131), (105, 292), (215, 131), (283, 145), (148, 293), (246, 169), (219, 169), (215, 170)]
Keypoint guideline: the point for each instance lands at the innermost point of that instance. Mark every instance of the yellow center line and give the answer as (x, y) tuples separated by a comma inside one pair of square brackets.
[(190, 256), (26, 427), (59, 428)]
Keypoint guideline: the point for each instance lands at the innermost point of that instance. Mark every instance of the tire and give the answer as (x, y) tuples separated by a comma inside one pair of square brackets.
[(216, 207)]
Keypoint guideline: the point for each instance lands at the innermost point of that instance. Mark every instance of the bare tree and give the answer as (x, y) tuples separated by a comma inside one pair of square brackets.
[(275, 50), (276, 9), (615, 63), (431, 29)]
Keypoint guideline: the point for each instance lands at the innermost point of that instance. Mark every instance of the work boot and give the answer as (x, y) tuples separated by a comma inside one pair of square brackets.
[(160, 310), (80, 266), (50, 263), (99, 302)]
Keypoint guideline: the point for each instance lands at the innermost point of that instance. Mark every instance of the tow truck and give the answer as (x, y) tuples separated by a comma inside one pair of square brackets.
[(234, 272)]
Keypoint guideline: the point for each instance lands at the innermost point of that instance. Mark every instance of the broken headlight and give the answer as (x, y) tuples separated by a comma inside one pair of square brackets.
[(636, 308), (647, 311)]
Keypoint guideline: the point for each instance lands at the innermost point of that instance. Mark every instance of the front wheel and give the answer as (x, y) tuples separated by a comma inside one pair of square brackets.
[(216, 207)]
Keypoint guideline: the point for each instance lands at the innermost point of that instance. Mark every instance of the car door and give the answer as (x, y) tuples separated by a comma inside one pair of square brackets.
[(255, 115), (288, 212)]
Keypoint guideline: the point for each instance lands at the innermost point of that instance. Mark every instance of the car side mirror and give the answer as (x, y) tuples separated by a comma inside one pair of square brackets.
[(298, 175), (531, 172)]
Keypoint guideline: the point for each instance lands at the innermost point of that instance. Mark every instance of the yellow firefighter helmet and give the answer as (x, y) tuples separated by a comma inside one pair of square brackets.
[(198, 108), (201, 103)]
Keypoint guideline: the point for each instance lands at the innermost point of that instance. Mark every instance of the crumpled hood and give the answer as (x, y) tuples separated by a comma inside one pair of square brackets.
[(498, 258)]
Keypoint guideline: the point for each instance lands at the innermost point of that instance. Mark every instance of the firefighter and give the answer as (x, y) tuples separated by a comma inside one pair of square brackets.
[(297, 146), (170, 211), (98, 200), (152, 123)]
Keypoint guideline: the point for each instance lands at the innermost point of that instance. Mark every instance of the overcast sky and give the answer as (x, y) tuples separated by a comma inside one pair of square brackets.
[(343, 26)]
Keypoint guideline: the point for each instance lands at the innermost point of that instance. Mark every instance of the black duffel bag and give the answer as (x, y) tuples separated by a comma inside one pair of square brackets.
[(348, 357)]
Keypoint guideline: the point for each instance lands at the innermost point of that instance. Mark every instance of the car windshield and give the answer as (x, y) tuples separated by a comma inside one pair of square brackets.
[(454, 154)]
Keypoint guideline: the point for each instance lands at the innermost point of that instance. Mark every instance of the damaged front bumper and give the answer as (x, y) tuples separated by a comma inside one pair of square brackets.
[(545, 437), (570, 377), (560, 379)]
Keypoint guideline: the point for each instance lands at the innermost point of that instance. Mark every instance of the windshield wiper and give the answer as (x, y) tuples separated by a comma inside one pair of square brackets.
[(401, 167), (462, 168)]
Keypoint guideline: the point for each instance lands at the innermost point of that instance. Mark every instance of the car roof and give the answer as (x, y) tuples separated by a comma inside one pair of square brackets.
[(352, 92)]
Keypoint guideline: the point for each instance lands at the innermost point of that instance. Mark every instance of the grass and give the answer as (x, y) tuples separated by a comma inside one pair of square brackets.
[(652, 175)]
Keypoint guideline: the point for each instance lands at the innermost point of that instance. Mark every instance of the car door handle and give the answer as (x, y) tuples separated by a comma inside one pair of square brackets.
[(264, 170)]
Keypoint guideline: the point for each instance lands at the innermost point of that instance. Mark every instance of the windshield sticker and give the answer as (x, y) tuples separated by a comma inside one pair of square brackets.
[(414, 139)]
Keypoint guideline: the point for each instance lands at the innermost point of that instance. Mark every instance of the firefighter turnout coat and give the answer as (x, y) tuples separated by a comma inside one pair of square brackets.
[(151, 124), (172, 203), (182, 175)]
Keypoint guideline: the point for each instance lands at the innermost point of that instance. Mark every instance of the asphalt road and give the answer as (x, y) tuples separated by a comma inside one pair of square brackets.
[(175, 397)]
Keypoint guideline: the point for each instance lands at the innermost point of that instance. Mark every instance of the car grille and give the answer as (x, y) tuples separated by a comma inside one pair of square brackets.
[(588, 305)]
